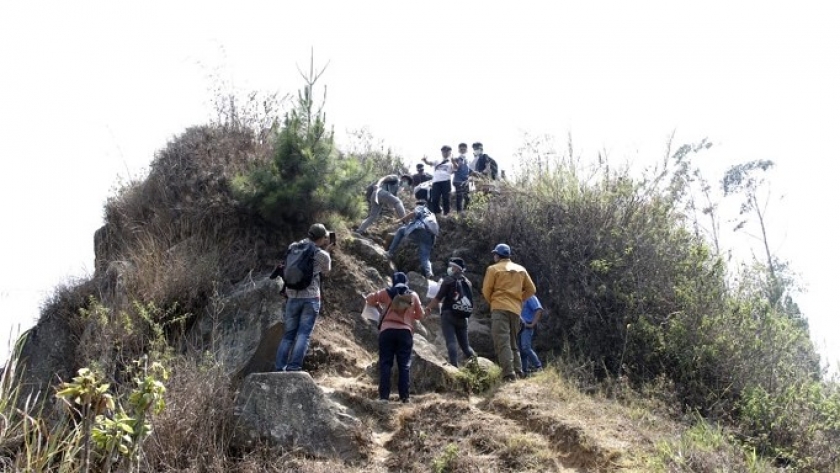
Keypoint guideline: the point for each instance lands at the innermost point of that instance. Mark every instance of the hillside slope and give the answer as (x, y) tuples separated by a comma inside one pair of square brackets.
[(182, 277)]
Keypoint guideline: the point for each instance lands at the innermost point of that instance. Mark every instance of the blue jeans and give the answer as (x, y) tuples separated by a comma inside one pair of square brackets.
[(455, 332), (395, 342), (424, 239), (297, 325), (529, 356)]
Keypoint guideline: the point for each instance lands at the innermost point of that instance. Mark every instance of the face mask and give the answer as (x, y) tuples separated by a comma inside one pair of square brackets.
[(450, 271), (476, 152)]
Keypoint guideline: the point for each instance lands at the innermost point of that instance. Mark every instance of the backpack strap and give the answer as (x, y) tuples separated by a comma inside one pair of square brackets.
[(388, 309), (382, 318)]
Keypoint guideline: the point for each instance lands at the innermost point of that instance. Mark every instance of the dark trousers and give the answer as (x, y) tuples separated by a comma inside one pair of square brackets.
[(455, 333), (462, 195), (394, 342), (440, 195)]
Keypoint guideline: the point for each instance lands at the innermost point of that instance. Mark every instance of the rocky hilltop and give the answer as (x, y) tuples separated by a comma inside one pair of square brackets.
[(182, 277)]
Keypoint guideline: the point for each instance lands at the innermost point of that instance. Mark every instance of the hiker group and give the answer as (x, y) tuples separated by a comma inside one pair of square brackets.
[(508, 288)]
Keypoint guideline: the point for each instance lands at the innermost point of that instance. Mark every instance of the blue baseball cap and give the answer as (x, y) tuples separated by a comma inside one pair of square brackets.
[(502, 250)]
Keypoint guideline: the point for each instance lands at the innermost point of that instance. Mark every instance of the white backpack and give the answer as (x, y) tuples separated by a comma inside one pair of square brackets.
[(428, 218)]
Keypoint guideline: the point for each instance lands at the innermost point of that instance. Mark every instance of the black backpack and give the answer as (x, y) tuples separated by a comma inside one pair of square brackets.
[(300, 265), (369, 192), (463, 304), (494, 168)]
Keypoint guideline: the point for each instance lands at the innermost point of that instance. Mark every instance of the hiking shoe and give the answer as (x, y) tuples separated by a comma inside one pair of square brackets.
[(382, 401), (521, 375), (405, 400), (509, 378)]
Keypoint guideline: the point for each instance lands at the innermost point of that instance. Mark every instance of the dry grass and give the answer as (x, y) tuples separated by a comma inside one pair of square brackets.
[(193, 432), (449, 435)]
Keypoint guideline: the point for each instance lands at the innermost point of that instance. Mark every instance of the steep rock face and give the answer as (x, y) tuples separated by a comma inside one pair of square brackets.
[(47, 356), (367, 251), (481, 339), (288, 410), (245, 326)]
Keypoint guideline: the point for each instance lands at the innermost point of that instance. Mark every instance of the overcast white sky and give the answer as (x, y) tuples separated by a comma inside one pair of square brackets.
[(90, 90)]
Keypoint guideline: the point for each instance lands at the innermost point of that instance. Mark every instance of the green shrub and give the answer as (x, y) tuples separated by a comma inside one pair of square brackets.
[(632, 286), (706, 448), (306, 175), (798, 424)]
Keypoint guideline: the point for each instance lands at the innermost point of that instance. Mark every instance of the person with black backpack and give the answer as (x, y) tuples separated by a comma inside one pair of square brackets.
[(483, 163), (382, 192), (306, 262), (399, 307), (421, 226), (456, 301)]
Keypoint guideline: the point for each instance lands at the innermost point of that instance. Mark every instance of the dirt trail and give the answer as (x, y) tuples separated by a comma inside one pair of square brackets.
[(536, 424)]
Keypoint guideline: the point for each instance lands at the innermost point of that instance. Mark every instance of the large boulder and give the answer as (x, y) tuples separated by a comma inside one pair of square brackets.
[(47, 355), (245, 326), (368, 251), (288, 410), (429, 369), (481, 338)]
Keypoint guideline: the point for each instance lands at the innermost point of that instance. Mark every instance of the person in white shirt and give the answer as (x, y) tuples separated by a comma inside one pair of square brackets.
[(441, 181)]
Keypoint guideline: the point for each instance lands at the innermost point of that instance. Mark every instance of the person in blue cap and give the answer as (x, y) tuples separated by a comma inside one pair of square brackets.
[(506, 286)]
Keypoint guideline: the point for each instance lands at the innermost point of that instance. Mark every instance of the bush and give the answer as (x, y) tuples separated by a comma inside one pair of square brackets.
[(706, 448), (306, 175), (799, 424), (630, 287)]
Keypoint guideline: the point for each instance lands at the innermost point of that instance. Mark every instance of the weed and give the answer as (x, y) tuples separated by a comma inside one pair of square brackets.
[(475, 379), (444, 462)]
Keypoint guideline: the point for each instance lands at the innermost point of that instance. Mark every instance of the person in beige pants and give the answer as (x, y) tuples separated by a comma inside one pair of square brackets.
[(506, 286)]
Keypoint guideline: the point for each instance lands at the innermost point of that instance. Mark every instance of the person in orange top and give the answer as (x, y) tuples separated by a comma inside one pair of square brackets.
[(400, 307), (506, 286)]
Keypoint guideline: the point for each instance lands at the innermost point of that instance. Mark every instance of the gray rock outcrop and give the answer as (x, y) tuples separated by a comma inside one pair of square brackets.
[(288, 410), (244, 326), (369, 252)]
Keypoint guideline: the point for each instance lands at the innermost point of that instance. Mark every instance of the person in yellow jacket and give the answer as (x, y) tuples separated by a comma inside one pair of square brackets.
[(506, 286)]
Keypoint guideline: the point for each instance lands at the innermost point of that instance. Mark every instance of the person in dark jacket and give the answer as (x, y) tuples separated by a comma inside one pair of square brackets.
[(453, 326), (460, 179), (483, 164), (421, 176)]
